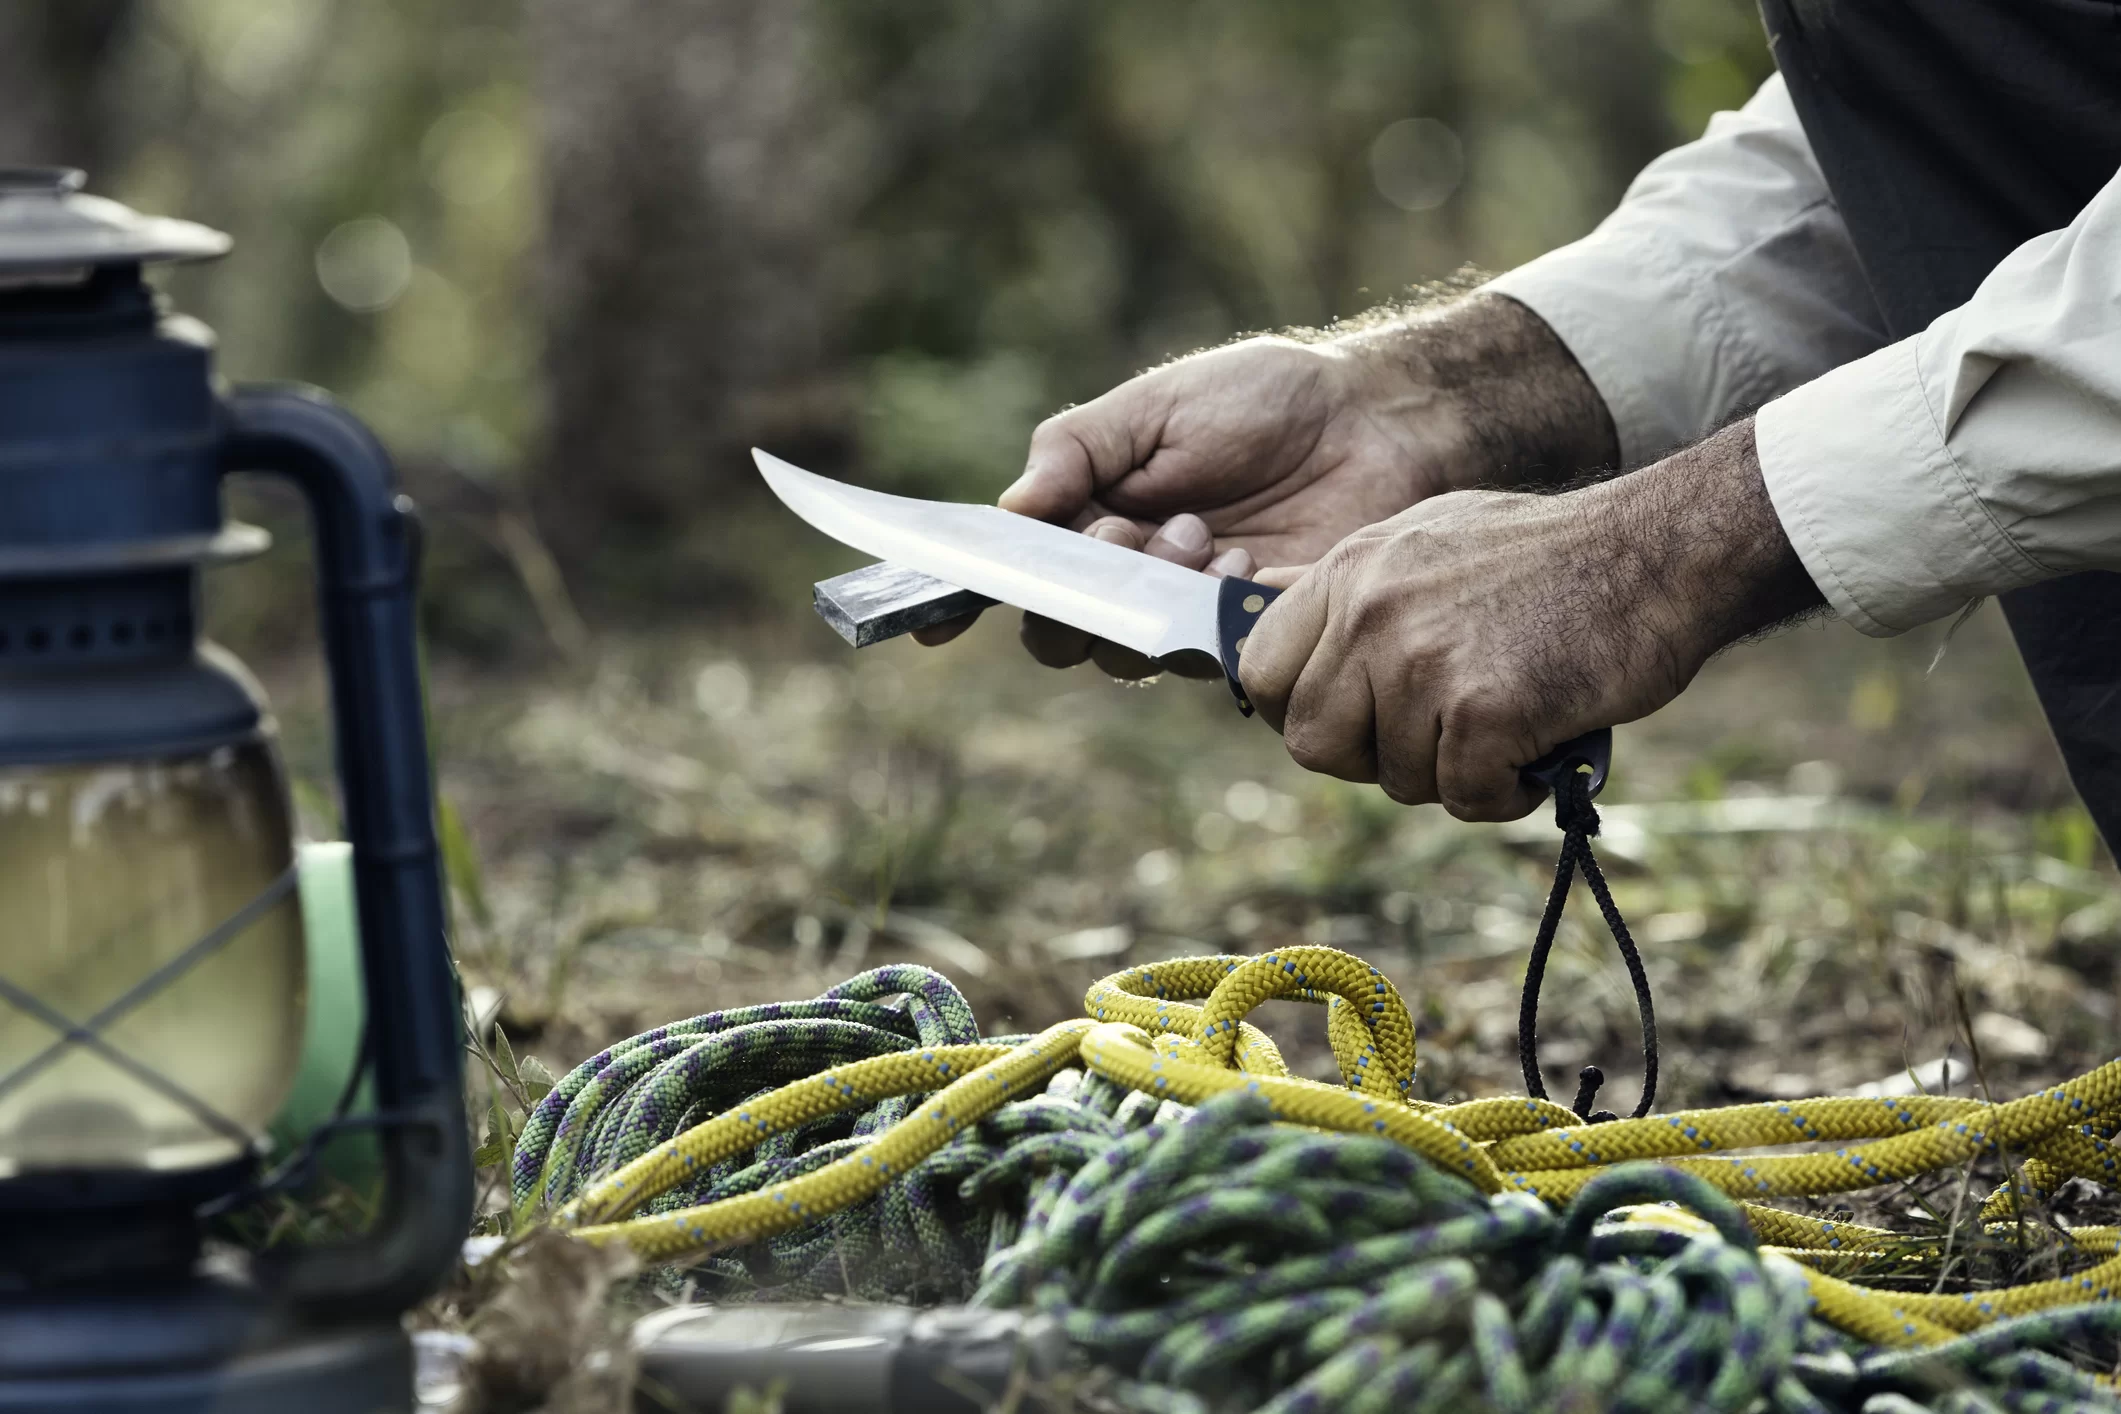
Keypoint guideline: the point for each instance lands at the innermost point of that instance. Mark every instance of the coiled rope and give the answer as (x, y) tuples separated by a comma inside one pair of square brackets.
[(692, 1145), (1211, 1225)]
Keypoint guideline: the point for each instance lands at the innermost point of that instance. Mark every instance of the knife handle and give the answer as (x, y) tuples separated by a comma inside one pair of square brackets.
[(1238, 607), (1592, 751)]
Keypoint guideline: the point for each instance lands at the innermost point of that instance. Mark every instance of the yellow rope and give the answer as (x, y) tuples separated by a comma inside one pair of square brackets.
[(1177, 1030), (962, 1096)]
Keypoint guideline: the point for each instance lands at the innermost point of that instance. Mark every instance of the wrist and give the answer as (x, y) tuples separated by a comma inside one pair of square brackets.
[(1493, 396), (1704, 547)]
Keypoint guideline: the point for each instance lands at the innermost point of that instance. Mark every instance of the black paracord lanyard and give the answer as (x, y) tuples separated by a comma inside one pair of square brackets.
[(1578, 820)]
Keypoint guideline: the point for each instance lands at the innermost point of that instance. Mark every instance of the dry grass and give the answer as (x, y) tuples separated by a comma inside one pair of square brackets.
[(1840, 865), (1842, 852)]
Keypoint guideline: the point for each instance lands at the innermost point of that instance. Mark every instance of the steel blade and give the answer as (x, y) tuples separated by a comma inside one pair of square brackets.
[(1147, 604)]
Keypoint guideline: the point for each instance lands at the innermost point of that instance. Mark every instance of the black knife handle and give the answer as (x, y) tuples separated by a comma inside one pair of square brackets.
[(1242, 601), (1592, 751), (1237, 608)]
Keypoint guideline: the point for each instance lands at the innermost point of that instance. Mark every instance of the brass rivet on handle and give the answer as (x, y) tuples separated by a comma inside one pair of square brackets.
[(1240, 645), (1254, 603)]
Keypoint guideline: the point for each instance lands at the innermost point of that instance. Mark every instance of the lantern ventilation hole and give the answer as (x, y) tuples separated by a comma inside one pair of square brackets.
[(116, 637)]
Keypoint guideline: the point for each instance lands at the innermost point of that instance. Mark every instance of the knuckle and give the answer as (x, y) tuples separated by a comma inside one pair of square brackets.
[(1476, 716), (1474, 789), (1305, 747), (1045, 437), (1115, 530), (1474, 811), (1063, 439), (1404, 789), (1330, 756), (1480, 798), (1371, 613), (1053, 427)]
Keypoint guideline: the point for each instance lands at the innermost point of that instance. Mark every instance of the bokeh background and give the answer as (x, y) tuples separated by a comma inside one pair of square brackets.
[(572, 258)]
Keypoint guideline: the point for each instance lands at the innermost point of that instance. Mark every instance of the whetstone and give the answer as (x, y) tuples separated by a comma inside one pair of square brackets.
[(884, 600)]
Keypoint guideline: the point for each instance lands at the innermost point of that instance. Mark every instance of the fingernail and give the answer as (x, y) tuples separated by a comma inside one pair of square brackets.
[(1236, 561), (1021, 484), (1187, 532), (1111, 534)]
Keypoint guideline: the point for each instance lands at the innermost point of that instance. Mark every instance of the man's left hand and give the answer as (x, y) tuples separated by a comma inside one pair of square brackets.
[(1438, 652)]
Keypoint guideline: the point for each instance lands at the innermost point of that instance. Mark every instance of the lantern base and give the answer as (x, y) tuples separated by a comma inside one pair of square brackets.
[(197, 1346), (106, 1228)]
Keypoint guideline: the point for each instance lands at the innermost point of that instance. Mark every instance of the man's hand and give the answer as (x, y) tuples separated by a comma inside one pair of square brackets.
[(1439, 652), (1270, 451)]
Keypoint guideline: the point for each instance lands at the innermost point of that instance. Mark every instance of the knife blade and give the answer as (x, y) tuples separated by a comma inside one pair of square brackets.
[(1138, 601)]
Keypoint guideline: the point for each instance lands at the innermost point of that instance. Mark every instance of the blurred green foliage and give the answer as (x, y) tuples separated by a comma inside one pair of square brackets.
[(1030, 199), (299, 124)]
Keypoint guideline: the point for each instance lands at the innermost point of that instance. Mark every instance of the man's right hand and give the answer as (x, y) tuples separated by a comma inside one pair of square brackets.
[(1263, 455)]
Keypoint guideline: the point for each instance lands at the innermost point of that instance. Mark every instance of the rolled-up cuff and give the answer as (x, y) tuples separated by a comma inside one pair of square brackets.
[(1883, 518), (1627, 320)]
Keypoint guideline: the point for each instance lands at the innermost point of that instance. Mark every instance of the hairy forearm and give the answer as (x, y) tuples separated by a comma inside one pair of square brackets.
[(1696, 537), (1439, 651), (1490, 376)]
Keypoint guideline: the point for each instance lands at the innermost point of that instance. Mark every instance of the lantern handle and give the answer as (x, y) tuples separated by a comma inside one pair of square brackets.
[(367, 580)]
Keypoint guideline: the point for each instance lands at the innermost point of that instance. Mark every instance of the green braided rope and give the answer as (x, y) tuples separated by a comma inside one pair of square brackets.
[(1253, 1265), (918, 1238), (1215, 1260)]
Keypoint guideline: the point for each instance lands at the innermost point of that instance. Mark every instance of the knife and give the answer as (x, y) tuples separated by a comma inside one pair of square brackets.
[(1138, 601)]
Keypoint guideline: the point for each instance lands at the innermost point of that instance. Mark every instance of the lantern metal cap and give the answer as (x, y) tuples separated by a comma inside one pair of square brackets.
[(48, 224)]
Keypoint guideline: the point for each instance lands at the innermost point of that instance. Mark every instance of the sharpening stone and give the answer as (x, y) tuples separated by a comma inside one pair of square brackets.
[(884, 600)]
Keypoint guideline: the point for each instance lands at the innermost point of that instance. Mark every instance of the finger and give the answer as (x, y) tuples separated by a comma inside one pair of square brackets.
[(1235, 562), (1184, 540), (1075, 452), (1280, 576), (1053, 643), (1407, 733), (1056, 644), (1122, 663), (937, 634), (1479, 751), (1115, 661), (1117, 530), (1331, 725), (1273, 655), (1059, 473), (1191, 663)]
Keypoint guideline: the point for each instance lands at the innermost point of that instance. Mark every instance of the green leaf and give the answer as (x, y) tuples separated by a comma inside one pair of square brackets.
[(537, 1080), (460, 861), (499, 1145), (503, 1058)]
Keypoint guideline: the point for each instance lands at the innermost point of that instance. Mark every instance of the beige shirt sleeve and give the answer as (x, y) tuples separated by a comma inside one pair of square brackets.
[(1980, 455), (1723, 279)]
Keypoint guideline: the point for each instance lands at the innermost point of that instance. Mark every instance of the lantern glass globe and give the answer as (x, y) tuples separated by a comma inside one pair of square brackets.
[(112, 872)]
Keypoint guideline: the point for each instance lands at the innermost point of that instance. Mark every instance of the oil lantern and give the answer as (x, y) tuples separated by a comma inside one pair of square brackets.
[(151, 947)]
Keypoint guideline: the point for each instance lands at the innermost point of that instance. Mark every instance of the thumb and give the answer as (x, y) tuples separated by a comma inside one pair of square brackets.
[(1080, 451), (1274, 654)]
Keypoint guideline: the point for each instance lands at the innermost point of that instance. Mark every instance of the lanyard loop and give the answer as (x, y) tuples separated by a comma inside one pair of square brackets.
[(1578, 820)]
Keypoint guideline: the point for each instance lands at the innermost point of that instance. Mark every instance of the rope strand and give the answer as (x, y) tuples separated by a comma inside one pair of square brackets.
[(1221, 1234)]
